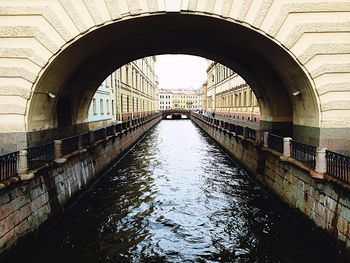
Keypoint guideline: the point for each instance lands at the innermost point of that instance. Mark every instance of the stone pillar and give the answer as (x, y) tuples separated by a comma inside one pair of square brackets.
[(58, 149), (321, 162), (23, 162), (286, 146), (266, 138)]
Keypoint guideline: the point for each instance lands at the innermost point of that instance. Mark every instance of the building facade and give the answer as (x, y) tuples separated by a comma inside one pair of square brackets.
[(102, 107), (179, 99), (165, 99), (229, 95), (129, 92), (137, 89)]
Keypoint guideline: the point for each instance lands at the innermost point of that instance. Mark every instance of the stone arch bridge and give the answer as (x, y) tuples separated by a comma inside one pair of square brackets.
[(294, 54), (166, 113)]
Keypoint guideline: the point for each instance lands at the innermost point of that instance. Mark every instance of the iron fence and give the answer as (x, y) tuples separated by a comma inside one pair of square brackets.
[(109, 130), (275, 142), (232, 127), (70, 144), (338, 165), (40, 155), (239, 130), (85, 139), (118, 127), (99, 134), (250, 133), (8, 165), (303, 153)]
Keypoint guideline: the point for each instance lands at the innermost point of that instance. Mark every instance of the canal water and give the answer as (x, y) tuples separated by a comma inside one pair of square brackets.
[(177, 197)]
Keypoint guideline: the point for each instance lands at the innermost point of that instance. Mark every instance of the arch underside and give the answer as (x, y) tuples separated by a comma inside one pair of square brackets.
[(270, 70)]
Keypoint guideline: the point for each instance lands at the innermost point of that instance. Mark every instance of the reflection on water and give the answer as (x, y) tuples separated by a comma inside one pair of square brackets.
[(176, 197)]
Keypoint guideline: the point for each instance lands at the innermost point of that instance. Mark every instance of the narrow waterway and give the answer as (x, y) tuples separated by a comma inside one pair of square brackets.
[(177, 197)]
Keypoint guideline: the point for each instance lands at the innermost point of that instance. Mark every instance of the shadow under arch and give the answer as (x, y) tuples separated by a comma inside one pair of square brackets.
[(77, 70)]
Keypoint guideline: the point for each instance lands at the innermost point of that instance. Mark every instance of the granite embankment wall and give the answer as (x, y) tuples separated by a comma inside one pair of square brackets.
[(34, 198), (316, 196)]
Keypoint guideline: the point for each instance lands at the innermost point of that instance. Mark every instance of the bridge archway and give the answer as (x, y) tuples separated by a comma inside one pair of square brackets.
[(96, 54), (166, 113), (79, 43)]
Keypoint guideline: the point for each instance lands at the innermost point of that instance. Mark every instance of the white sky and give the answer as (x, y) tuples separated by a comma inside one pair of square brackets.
[(180, 71)]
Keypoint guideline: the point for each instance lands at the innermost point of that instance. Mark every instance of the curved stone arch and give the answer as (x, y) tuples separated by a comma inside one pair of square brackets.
[(313, 33), (265, 104)]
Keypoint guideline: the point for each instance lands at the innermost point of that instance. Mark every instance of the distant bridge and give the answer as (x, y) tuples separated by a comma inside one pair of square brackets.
[(166, 113)]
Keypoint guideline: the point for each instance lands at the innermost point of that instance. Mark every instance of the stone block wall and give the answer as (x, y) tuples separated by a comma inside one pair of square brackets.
[(26, 204), (326, 204)]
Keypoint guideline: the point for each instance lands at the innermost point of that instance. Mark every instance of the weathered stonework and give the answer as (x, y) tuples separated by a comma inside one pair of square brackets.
[(27, 203), (324, 203)]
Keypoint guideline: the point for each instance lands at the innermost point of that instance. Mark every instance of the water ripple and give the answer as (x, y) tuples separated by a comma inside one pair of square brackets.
[(177, 197)]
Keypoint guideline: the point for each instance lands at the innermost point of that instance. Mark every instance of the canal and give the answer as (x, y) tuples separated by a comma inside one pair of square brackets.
[(177, 197)]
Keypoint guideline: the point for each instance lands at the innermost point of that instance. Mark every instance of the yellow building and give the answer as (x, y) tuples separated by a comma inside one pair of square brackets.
[(185, 99), (137, 89), (229, 95)]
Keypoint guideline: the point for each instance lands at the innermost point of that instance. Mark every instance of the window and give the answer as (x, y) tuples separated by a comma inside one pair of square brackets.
[(132, 78), (101, 106), (136, 81), (94, 106), (112, 107), (127, 75), (107, 107), (127, 104)]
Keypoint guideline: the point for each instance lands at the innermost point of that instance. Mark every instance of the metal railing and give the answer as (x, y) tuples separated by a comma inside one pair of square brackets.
[(250, 133), (110, 130), (8, 165), (231, 127), (40, 155), (338, 165), (239, 130), (303, 153), (70, 144), (119, 127), (99, 134), (275, 142), (85, 139)]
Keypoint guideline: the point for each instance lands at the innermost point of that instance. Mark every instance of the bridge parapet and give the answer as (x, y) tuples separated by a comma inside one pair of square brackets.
[(166, 113)]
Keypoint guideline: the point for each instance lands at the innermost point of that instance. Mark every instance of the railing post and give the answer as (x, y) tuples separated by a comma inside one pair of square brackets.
[(286, 146), (23, 162), (321, 162), (58, 149), (266, 138)]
